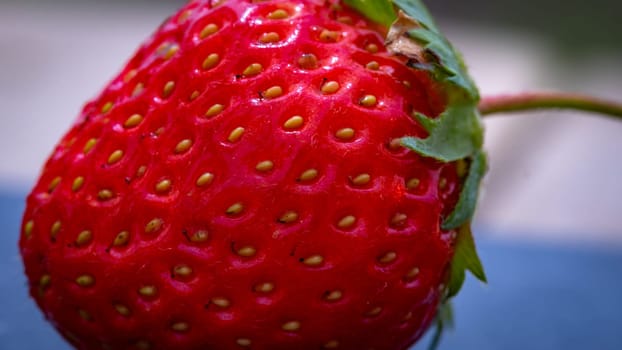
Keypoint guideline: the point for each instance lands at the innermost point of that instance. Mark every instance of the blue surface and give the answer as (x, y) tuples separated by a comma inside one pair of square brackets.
[(538, 298)]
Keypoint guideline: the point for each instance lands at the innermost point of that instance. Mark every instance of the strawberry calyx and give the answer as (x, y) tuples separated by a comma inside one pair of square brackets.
[(455, 135)]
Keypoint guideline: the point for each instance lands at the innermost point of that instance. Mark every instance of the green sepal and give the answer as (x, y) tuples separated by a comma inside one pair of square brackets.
[(467, 201), (445, 63), (456, 134), (418, 11), (379, 11), (444, 319), (465, 259)]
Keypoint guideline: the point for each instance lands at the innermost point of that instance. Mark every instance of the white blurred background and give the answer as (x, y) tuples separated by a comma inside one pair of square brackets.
[(554, 176)]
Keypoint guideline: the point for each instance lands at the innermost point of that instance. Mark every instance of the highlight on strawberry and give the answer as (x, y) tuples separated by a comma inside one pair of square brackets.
[(293, 174)]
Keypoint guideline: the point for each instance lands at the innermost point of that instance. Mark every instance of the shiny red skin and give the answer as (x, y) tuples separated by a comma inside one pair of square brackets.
[(381, 305)]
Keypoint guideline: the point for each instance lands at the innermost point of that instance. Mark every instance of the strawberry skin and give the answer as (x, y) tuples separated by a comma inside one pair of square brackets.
[(239, 185)]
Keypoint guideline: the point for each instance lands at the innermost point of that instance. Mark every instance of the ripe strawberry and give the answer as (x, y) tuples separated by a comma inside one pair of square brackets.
[(241, 184)]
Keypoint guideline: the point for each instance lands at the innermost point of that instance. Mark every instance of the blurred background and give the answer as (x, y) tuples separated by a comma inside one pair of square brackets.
[(547, 223)]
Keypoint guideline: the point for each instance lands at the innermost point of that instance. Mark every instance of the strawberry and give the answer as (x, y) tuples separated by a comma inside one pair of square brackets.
[(264, 175)]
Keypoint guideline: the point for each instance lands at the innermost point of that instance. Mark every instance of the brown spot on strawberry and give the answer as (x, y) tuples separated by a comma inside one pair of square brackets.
[(236, 134), (138, 89), (270, 37), (235, 209), (333, 295), (105, 195), (154, 225), (313, 260), (84, 238), (272, 92), (288, 217), (264, 166), (278, 14), (183, 146), (308, 175), (122, 309), (293, 123), (345, 134), (360, 179), (182, 271), (210, 61), (412, 273), (89, 145), (371, 48), (107, 107), (180, 327), (308, 61), (130, 75), (442, 183), (252, 69), (194, 95), (167, 50), (208, 30), (387, 257), (214, 110), (330, 36), (247, 251), (85, 280), (77, 184), (85, 315), (45, 281), (141, 171), (291, 326), (143, 345), (55, 229), (346, 222), (372, 65), (265, 287), (221, 302), (368, 101), (205, 179), (148, 291), (183, 17), (330, 87), (399, 220), (28, 227), (54, 184), (121, 239), (133, 121), (168, 89), (412, 183), (373, 312), (244, 342), (331, 344), (199, 236), (115, 157)]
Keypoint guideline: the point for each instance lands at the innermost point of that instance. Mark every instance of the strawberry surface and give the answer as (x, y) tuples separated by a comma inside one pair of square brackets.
[(240, 184)]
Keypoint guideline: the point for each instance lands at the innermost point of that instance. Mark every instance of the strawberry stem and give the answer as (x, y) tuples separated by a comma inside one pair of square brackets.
[(548, 100)]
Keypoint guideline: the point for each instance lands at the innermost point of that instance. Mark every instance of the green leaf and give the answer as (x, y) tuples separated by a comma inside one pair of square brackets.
[(465, 208), (379, 11), (465, 258)]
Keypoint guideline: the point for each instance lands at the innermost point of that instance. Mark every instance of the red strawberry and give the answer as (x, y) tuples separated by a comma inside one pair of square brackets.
[(241, 184)]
